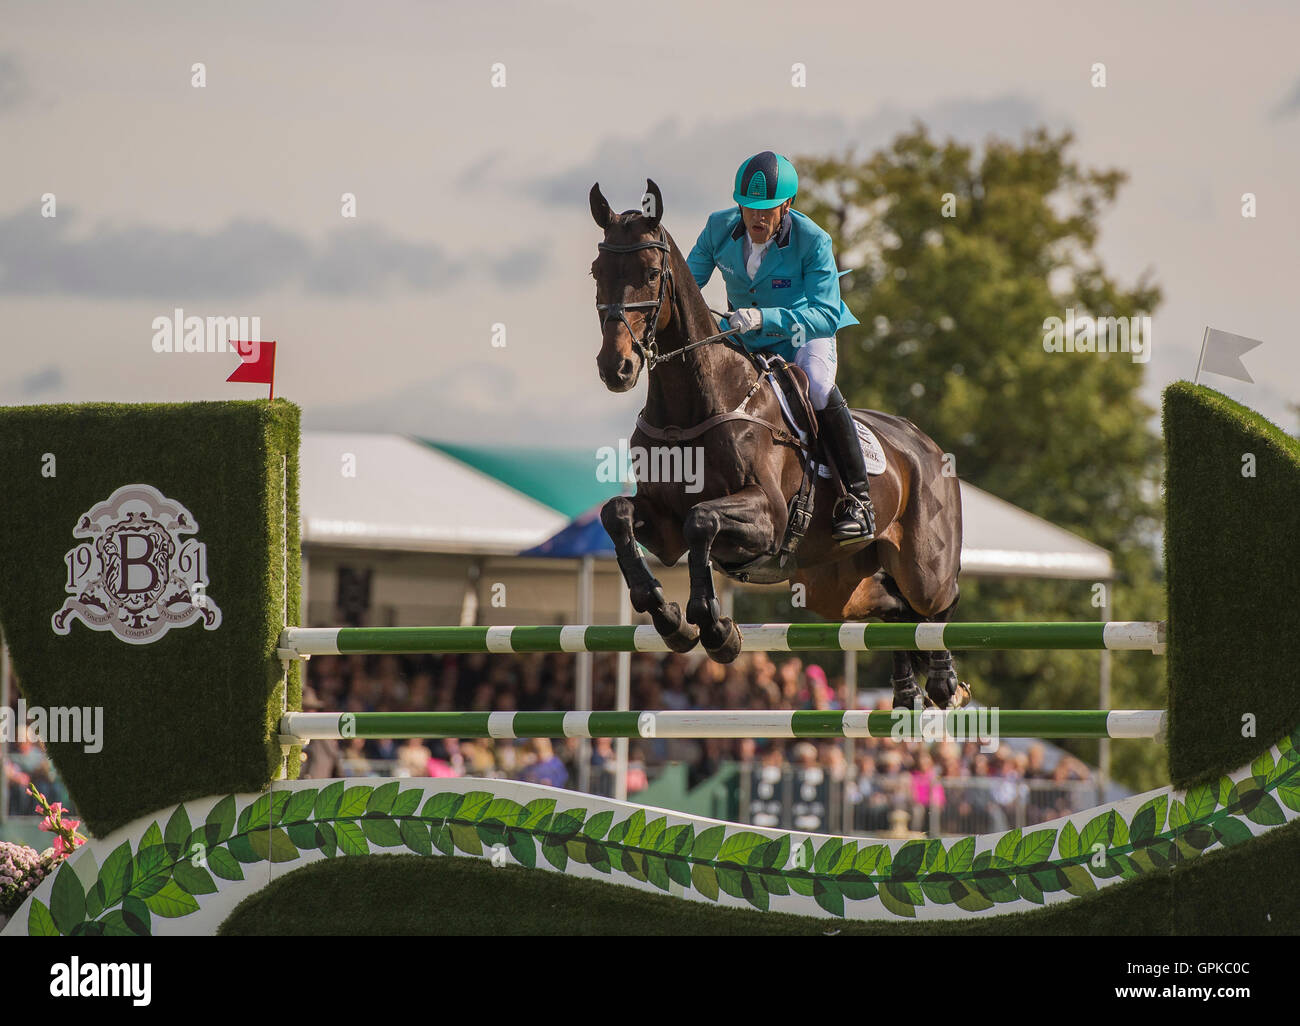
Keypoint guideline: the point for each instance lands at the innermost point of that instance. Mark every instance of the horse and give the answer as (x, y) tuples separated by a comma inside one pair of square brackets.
[(738, 516)]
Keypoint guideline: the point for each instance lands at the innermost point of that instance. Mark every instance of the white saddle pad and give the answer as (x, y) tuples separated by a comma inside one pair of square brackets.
[(872, 452)]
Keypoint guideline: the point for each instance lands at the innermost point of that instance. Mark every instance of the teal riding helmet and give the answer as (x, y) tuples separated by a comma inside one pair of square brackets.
[(765, 180)]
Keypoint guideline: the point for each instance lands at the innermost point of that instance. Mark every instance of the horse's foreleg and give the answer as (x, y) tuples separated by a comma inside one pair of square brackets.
[(620, 517), (742, 525)]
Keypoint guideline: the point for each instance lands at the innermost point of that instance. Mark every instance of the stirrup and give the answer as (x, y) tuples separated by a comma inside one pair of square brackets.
[(851, 521)]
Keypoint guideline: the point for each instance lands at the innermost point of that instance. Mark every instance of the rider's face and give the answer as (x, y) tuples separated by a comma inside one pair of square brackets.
[(762, 224)]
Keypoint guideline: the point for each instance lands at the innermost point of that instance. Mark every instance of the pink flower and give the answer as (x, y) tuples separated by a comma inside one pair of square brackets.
[(66, 838)]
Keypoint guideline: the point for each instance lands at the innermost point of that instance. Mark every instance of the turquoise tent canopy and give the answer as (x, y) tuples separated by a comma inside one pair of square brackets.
[(564, 479)]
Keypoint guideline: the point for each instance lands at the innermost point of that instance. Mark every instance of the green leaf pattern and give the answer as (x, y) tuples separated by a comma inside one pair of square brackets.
[(174, 866)]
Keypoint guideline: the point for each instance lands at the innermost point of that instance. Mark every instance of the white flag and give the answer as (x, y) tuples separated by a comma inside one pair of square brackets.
[(1221, 353)]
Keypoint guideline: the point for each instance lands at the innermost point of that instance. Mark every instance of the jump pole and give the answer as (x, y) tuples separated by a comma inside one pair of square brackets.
[(900, 724), (300, 642)]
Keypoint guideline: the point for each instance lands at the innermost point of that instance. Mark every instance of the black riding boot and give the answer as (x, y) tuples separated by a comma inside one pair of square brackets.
[(855, 519)]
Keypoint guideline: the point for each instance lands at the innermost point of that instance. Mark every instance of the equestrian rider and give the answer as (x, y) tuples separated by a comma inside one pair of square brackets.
[(784, 294)]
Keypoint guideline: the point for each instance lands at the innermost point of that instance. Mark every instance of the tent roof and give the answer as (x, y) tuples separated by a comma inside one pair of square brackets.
[(439, 497), (999, 539), (409, 496), (564, 479)]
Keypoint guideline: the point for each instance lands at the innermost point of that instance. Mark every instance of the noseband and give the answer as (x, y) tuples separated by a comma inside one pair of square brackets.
[(646, 344)]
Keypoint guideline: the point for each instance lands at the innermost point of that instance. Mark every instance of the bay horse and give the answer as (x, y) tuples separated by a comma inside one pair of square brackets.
[(736, 516)]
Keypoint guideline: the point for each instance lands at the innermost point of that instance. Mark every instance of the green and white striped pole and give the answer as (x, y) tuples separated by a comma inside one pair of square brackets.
[(297, 642), (900, 724)]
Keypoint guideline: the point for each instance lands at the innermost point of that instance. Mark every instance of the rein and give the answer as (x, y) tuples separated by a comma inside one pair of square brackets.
[(646, 344), (650, 354)]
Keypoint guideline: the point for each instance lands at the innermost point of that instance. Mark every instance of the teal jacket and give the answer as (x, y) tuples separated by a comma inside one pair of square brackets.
[(797, 282)]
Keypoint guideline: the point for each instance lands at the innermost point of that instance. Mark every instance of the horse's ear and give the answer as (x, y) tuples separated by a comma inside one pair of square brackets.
[(600, 207), (652, 203)]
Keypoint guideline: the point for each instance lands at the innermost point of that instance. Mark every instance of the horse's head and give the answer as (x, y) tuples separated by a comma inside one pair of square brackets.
[(633, 287)]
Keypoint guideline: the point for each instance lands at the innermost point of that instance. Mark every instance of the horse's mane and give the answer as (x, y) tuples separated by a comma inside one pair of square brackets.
[(686, 293)]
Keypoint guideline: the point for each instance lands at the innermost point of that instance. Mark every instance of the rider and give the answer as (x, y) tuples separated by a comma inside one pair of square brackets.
[(784, 292)]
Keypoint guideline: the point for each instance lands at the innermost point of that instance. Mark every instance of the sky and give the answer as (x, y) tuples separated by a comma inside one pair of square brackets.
[(471, 199)]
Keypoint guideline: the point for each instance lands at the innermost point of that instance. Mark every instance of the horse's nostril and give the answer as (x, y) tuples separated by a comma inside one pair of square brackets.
[(625, 368)]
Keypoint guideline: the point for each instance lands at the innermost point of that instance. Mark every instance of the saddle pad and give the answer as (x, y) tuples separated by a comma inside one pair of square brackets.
[(872, 452)]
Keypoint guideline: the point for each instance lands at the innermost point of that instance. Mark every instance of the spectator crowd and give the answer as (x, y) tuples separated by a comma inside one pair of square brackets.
[(964, 787), (949, 786)]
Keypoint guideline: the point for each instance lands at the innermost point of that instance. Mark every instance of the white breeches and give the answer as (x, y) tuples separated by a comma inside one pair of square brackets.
[(818, 360)]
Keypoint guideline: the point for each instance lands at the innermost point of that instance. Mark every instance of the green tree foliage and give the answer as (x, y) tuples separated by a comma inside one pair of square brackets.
[(958, 258)]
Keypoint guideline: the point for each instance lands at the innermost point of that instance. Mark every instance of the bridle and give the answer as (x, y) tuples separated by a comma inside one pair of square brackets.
[(651, 356), (646, 344)]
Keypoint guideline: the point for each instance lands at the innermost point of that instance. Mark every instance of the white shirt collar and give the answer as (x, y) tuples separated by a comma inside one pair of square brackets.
[(754, 254)]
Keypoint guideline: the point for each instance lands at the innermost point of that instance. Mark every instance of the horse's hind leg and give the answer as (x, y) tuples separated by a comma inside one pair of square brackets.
[(943, 689), (924, 568), (907, 692), (942, 685), (840, 592), (620, 516)]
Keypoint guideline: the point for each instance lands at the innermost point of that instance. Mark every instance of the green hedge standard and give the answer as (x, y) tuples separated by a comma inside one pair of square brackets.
[(194, 712), (1232, 558)]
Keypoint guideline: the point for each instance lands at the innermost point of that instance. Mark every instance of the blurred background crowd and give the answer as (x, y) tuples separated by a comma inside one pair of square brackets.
[(883, 785), (949, 786)]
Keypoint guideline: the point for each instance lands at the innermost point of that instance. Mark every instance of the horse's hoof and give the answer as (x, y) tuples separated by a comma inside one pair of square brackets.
[(728, 641), (647, 597), (683, 636), (910, 696), (947, 692)]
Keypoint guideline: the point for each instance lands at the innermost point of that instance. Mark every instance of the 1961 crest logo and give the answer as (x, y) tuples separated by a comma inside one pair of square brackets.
[(135, 575)]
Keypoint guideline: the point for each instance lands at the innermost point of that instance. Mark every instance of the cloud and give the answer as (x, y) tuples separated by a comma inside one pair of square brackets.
[(695, 167), (482, 171), (366, 259), (48, 379), (13, 85), (520, 267), (472, 399), (488, 403), (1289, 107), (42, 256)]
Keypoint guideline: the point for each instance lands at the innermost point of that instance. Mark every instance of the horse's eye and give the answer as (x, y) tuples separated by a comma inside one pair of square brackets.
[(653, 276)]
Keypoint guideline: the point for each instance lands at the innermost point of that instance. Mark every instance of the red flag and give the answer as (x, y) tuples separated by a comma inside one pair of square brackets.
[(258, 365)]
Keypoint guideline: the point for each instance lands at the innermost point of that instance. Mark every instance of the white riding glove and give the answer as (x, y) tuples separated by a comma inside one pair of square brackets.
[(746, 320)]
